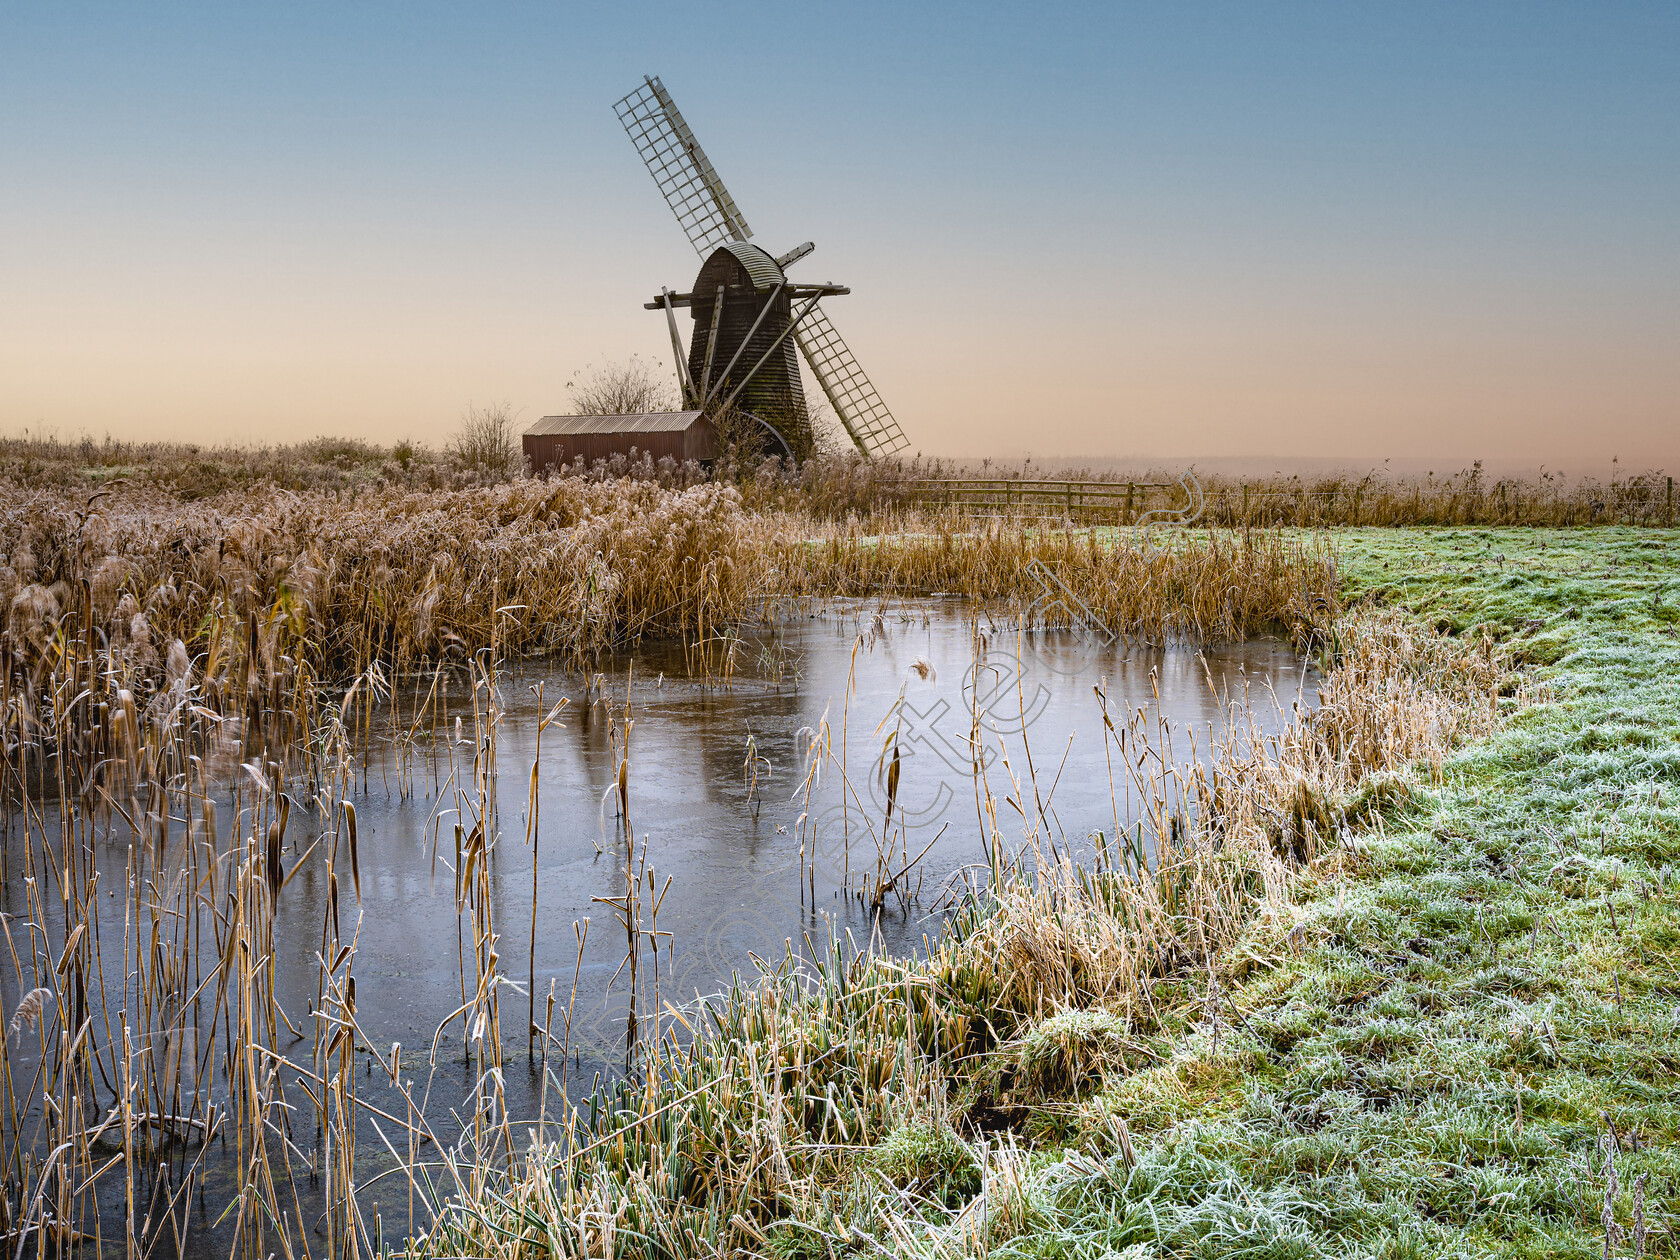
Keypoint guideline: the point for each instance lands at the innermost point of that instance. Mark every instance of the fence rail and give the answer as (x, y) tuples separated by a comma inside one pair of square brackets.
[(1645, 502), (1076, 500)]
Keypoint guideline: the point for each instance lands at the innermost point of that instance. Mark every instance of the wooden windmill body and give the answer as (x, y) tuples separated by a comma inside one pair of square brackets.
[(738, 328)]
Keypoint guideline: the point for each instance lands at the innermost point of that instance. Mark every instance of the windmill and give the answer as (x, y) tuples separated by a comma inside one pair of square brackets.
[(748, 316)]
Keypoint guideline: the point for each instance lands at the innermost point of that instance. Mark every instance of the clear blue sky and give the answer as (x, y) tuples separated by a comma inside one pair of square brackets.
[(1422, 231)]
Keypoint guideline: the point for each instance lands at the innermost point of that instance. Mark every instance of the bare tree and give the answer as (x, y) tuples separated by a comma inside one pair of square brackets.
[(621, 389), (486, 441)]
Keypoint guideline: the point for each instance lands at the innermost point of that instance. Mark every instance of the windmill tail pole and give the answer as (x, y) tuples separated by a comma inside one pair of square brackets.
[(711, 346)]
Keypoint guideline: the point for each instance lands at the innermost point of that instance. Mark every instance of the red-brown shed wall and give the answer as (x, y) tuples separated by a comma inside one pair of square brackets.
[(548, 450)]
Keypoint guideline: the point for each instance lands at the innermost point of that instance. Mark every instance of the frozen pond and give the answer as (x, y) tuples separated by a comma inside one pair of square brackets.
[(746, 875), (746, 853)]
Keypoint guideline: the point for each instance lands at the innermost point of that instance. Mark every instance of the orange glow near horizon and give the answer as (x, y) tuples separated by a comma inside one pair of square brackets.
[(1438, 235)]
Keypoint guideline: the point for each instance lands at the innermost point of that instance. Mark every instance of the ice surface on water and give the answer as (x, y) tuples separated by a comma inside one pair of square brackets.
[(738, 885), (735, 866)]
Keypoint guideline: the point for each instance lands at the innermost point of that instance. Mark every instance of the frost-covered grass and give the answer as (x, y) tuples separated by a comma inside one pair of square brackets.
[(1479, 1011)]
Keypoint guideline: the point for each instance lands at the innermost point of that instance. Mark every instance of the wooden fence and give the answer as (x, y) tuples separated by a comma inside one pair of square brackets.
[(1647, 501), (1119, 502)]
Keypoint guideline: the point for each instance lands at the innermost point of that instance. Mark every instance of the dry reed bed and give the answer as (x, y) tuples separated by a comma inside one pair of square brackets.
[(858, 1103), (1218, 585), (832, 486), (1466, 498), (387, 576), (147, 1049), (297, 588)]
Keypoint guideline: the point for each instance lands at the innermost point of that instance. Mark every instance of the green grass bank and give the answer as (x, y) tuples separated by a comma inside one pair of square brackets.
[(1470, 1043)]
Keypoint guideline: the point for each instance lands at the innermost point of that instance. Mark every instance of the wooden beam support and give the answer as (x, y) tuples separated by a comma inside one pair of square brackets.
[(794, 291), (687, 381), (711, 346), (751, 333), (775, 345)]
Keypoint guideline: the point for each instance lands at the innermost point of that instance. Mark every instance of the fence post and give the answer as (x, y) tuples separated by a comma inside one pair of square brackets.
[(1126, 512), (1668, 515)]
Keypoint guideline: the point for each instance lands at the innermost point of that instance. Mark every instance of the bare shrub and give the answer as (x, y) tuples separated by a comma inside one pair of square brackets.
[(621, 389), (744, 439), (486, 442)]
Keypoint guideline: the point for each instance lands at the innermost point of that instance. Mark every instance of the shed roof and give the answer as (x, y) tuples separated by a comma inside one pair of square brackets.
[(645, 422)]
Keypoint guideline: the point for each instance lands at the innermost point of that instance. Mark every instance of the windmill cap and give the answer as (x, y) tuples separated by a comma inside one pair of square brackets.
[(765, 271)]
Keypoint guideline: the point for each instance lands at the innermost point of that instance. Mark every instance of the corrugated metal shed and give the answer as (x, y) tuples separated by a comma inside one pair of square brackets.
[(643, 422), (683, 435)]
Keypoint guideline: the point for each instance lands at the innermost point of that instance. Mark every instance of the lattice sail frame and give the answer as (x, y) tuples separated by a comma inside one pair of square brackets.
[(709, 216), (873, 429), (691, 187)]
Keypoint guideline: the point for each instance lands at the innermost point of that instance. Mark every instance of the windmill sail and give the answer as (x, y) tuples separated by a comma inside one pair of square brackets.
[(872, 428), (709, 218), (681, 169)]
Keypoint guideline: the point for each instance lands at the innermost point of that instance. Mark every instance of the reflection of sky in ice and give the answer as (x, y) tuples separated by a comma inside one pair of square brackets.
[(737, 873), (736, 870)]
